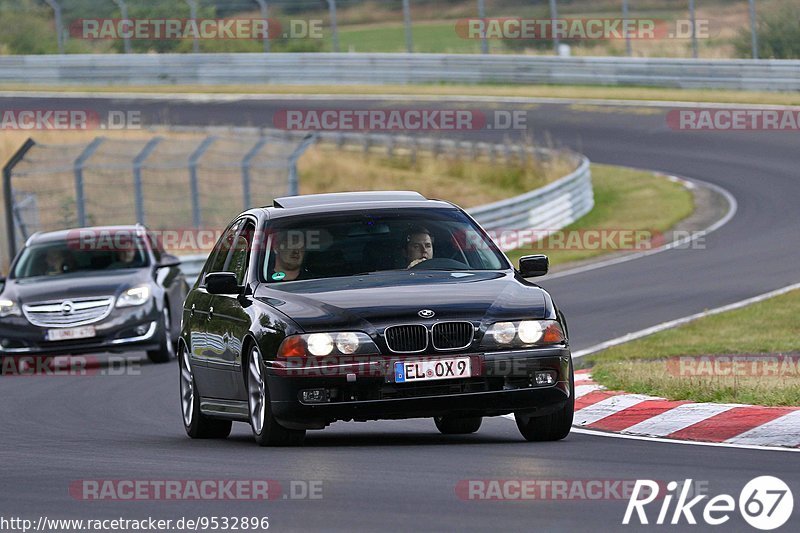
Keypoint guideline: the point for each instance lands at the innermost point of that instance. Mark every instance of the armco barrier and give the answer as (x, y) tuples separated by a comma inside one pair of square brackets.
[(376, 69), (548, 208)]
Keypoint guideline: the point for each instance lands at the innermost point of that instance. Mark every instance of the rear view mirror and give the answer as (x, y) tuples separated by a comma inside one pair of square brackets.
[(222, 283), (532, 266), (169, 260)]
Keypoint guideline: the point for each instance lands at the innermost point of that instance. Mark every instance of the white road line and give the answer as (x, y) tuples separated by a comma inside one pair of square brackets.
[(733, 207), (583, 390), (678, 418), (596, 433), (684, 320), (607, 407), (583, 376), (783, 431)]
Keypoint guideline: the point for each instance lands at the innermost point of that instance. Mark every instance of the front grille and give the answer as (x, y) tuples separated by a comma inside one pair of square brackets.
[(410, 338), (452, 335), (68, 313)]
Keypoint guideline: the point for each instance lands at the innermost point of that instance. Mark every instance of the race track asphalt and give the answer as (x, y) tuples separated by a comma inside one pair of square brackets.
[(403, 475)]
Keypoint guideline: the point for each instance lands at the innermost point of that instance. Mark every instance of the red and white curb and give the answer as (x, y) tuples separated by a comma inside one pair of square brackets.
[(650, 416)]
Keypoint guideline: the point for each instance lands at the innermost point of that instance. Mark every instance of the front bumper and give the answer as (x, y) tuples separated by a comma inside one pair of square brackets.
[(126, 329), (502, 383)]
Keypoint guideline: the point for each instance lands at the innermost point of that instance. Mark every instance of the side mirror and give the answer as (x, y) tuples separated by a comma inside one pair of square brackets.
[(222, 283), (532, 266), (169, 260)]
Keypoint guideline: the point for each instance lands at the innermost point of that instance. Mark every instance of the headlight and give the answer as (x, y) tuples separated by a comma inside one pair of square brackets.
[(347, 343), (530, 331), (9, 308), (134, 296), (523, 334), (322, 344), (502, 332)]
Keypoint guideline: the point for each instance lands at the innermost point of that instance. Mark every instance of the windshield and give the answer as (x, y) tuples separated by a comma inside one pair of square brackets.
[(62, 258), (363, 242)]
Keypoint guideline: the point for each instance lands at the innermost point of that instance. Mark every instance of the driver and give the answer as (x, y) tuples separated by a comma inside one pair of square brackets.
[(419, 246), (290, 251)]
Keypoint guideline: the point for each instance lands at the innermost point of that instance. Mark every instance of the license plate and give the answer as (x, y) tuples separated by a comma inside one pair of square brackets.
[(70, 333), (432, 369)]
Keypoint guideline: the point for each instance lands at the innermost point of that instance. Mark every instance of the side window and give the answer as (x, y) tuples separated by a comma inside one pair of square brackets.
[(240, 257), (219, 255)]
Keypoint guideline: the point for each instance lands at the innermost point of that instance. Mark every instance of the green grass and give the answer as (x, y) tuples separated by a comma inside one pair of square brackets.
[(432, 37), (768, 327), (625, 199)]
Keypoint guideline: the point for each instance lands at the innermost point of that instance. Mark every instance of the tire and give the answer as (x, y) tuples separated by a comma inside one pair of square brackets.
[(196, 424), (454, 425), (166, 349), (554, 426), (266, 430)]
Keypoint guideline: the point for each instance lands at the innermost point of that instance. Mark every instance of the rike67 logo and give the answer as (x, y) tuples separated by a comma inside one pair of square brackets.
[(765, 503)]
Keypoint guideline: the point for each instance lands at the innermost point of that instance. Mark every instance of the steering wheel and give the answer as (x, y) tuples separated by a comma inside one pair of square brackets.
[(440, 262)]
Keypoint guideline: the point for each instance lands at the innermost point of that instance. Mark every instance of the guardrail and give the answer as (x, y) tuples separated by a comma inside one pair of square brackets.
[(546, 209), (376, 69)]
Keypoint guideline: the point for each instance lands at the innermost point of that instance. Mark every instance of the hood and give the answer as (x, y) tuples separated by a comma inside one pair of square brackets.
[(72, 286), (380, 299)]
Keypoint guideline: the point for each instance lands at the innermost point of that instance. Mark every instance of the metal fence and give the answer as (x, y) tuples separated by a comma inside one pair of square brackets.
[(378, 69), (549, 208), (185, 180)]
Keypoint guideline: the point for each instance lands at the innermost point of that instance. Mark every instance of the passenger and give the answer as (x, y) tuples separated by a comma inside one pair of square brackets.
[(418, 246)]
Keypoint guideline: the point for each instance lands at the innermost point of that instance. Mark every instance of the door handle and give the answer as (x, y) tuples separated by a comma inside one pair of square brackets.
[(191, 312), (211, 312)]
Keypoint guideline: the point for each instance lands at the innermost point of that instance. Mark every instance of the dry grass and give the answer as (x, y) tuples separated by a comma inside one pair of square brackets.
[(463, 181), (514, 91)]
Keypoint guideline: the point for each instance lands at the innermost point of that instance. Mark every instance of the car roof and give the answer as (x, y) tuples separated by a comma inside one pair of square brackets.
[(64, 234), (351, 201)]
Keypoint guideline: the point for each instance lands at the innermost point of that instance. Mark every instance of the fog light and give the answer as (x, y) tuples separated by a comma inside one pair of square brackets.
[(141, 329), (314, 395), (545, 378)]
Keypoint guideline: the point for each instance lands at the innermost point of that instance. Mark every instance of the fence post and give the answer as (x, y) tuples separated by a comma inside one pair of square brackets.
[(59, 30), (482, 16), (80, 200), (753, 29), (195, 188), (123, 11), (262, 4), (294, 186), (407, 23), (628, 47), (246, 162), (193, 16), (8, 196), (138, 163), (553, 17), (334, 27), (692, 17)]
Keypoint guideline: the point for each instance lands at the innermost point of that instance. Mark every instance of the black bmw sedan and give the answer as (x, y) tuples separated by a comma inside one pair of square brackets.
[(366, 306), (92, 290)]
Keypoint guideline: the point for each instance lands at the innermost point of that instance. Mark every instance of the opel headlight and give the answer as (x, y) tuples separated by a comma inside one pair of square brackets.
[(9, 308), (134, 296)]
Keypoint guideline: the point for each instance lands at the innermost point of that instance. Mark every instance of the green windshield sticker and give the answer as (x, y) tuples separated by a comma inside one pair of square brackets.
[(277, 276)]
